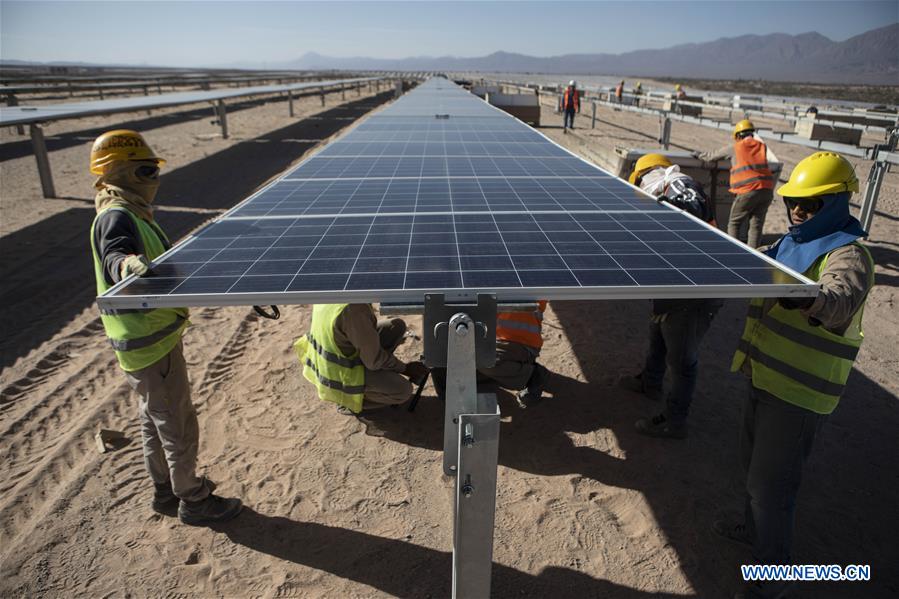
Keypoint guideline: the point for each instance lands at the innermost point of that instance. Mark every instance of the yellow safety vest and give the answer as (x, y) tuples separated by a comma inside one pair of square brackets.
[(801, 364), (338, 377), (139, 337)]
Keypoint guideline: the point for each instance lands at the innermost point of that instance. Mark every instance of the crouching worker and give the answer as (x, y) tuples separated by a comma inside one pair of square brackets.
[(348, 356), (519, 338), (676, 326), (125, 239)]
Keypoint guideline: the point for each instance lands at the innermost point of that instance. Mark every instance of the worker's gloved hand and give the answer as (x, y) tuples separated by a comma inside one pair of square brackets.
[(134, 264), (795, 303), (416, 371)]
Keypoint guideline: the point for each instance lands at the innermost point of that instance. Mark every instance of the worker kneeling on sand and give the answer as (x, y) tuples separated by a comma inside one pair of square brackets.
[(676, 326), (751, 181), (124, 240), (519, 338), (348, 356), (798, 353)]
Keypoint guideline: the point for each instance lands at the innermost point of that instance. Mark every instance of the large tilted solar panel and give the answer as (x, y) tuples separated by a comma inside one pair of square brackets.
[(427, 252), (442, 193)]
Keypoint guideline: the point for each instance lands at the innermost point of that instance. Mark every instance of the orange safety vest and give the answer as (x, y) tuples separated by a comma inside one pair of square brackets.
[(522, 327), (572, 101), (749, 170)]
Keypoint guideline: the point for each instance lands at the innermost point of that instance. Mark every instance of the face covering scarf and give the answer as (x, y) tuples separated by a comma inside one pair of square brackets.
[(830, 228), (122, 187), (657, 180)]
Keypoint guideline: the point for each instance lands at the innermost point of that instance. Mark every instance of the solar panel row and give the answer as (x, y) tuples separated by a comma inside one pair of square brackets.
[(442, 193)]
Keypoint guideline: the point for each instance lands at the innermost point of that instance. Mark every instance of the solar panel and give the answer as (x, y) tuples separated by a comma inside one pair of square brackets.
[(442, 193)]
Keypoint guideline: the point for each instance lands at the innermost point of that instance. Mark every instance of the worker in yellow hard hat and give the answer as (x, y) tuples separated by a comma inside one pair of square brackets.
[(751, 181), (125, 239), (676, 326), (798, 353)]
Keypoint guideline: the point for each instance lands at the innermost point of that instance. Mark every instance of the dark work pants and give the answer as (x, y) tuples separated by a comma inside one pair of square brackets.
[(568, 118), (775, 442), (674, 343)]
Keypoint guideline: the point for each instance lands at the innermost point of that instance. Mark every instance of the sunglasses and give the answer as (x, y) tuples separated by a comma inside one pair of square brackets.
[(808, 205), (147, 171)]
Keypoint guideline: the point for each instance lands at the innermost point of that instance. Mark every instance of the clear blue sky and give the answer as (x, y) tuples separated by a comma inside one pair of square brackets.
[(215, 33)]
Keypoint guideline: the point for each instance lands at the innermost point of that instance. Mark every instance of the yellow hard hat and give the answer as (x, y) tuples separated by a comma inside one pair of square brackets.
[(647, 162), (819, 174), (744, 125), (677, 87), (120, 144)]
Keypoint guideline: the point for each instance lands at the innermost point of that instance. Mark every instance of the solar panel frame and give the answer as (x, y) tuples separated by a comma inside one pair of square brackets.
[(554, 283)]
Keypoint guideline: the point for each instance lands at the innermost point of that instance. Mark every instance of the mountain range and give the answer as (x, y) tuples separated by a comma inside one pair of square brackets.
[(869, 58)]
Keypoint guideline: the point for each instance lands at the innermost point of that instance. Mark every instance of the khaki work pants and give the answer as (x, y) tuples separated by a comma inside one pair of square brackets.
[(385, 387), (169, 425), (748, 213)]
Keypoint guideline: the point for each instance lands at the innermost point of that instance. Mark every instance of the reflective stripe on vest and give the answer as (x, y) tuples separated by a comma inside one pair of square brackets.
[(126, 345), (337, 377), (749, 170), (522, 327), (139, 337), (801, 364)]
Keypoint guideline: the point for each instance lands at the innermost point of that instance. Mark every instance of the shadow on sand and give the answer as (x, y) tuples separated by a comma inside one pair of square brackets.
[(841, 518)]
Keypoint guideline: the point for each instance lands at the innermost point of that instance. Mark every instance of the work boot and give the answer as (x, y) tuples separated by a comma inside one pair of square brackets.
[(638, 385), (165, 501), (210, 510), (533, 393), (661, 426), (732, 531)]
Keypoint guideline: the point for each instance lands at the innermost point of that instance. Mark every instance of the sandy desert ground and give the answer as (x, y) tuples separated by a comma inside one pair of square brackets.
[(344, 507)]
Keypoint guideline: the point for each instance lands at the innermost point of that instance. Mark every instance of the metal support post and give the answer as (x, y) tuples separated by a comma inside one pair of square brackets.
[(593, 124), (463, 337), (11, 100), (101, 93), (875, 178), (358, 89), (664, 131), (323, 95), (342, 91), (399, 89), (223, 117), (147, 93), (43, 161), (290, 102)]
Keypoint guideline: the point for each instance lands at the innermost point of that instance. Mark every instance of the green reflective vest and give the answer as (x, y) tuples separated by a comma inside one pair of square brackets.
[(139, 337), (337, 377), (799, 363)]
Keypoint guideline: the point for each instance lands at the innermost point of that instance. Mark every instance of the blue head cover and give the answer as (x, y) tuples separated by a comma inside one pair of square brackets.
[(830, 228)]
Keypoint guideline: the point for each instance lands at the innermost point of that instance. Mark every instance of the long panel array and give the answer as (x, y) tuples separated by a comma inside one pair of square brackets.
[(440, 192)]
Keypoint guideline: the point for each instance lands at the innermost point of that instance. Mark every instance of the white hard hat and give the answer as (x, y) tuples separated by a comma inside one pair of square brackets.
[(572, 83)]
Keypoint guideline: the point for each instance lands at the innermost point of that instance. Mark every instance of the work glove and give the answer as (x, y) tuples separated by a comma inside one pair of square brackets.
[(134, 264), (416, 371), (795, 303)]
